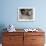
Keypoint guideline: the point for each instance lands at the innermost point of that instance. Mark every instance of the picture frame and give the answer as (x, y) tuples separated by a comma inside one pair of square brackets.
[(26, 14)]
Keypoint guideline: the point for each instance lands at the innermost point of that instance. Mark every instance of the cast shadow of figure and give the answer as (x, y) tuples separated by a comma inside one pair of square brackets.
[(2, 29)]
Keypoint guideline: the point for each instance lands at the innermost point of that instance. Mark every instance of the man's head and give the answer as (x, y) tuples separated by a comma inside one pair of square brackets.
[(24, 11)]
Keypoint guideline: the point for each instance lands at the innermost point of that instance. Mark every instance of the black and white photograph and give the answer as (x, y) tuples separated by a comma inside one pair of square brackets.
[(26, 14)]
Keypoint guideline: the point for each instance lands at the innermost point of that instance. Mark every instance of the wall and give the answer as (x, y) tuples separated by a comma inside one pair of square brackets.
[(9, 12)]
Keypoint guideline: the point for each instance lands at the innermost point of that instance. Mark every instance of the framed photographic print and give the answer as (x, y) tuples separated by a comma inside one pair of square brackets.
[(26, 14)]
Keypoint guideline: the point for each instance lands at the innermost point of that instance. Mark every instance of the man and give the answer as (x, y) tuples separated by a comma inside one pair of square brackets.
[(25, 14)]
